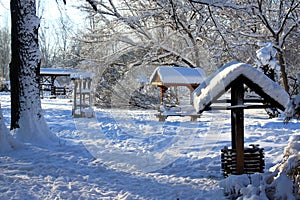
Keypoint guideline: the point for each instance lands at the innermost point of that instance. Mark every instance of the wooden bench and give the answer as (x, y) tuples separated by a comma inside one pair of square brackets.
[(60, 90)]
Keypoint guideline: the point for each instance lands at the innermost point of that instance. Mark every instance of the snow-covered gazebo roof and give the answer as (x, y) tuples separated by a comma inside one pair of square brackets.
[(177, 76), (219, 82), (56, 72)]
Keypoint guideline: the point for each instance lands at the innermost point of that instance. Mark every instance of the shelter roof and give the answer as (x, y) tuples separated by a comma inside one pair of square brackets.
[(218, 83), (56, 72), (170, 76)]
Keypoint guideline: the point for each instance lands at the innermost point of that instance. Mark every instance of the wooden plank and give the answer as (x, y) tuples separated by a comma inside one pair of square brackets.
[(252, 106), (238, 106), (246, 100)]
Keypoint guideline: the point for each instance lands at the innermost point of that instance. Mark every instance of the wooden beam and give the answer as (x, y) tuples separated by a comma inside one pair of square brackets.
[(237, 124), (53, 85), (247, 100), (238, 106)]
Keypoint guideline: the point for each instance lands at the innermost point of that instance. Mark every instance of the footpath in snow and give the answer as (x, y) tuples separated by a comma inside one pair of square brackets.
[(128, 154)]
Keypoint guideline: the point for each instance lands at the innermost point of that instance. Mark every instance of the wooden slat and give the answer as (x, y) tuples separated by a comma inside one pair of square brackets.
[(238, 106)]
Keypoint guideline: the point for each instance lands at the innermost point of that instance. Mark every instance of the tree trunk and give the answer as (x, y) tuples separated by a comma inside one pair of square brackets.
[(281, 61), (26, 113)]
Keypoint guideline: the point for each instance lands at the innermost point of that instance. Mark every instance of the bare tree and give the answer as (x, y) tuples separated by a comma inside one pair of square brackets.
[(241, 22), (54, 36), (280, 19), (150, 26), (192, 33), (4, 52), (126, 35)]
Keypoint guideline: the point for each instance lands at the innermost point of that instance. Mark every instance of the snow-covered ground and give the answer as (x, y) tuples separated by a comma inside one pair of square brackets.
[(128, 154)]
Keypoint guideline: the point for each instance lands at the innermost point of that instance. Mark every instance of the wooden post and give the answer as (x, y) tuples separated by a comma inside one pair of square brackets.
[(83, 93), (163, 90), (237, 125), (41, 86), (80, 96), (90, 94), (75, 94), (52, 85)]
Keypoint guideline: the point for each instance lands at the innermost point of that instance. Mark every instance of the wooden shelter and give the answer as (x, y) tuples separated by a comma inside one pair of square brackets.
[(82, 94), (171, 76), (48, 78), (234, 77)]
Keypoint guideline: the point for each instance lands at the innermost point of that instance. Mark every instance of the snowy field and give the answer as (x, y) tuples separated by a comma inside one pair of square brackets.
[(128, 154)]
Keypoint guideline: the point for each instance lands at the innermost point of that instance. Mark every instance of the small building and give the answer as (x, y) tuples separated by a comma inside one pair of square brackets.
[(48, 81), (165, 77), (234, 77)]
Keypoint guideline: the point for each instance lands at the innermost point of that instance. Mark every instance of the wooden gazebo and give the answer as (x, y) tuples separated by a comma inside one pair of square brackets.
[(48, 77), (234, 77), (171, 76), (168, 76)]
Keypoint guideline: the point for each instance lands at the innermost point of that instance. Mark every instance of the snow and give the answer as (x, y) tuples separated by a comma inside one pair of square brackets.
[(293, 108), (82, 75), (177, 75), (4, 136), (183, 110), (267, 56), (217, 82), (56, 71), (280, 183), (128, 154)]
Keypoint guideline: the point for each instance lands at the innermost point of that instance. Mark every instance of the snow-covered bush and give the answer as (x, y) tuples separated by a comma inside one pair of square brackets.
[(268, 64), (282, 183), (291, 162), (293, 109)]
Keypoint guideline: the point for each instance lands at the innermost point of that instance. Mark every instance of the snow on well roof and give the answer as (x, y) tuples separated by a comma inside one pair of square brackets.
[(170, 75), (217, 82)]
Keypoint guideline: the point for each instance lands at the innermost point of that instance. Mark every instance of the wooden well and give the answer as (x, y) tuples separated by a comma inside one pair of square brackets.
[(234, 77)]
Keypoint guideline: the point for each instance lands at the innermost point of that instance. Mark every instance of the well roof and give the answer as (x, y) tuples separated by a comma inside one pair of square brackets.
[(221, 81)]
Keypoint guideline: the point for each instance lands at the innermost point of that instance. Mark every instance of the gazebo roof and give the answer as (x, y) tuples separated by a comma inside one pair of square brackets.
[(56, 72), (221, 81), (176, 76)]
